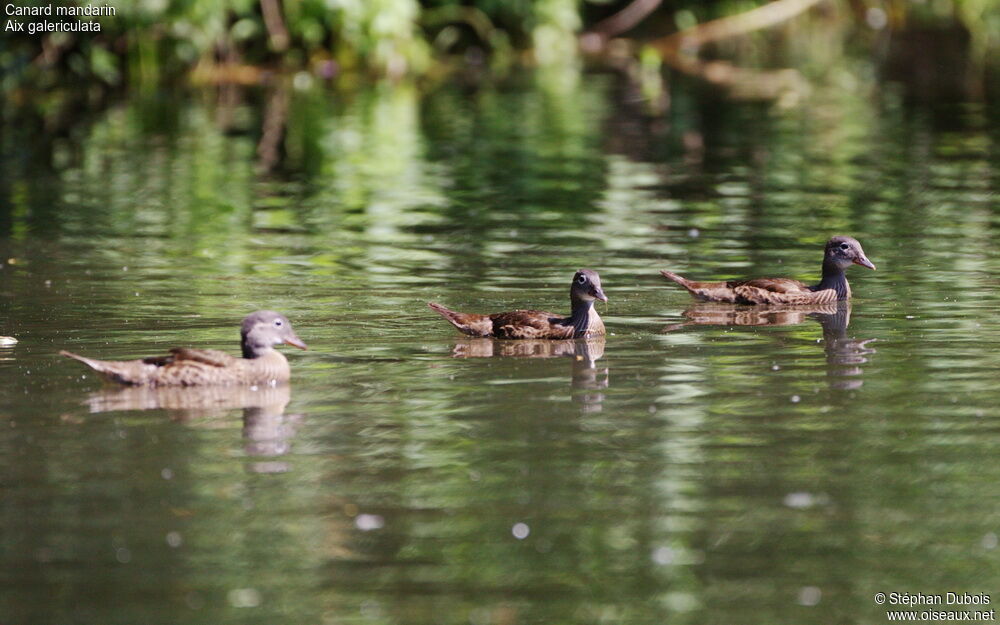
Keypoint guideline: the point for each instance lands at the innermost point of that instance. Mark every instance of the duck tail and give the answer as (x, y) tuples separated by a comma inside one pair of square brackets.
[(114, 371), (681, 280), (96, 365), (467, 323)]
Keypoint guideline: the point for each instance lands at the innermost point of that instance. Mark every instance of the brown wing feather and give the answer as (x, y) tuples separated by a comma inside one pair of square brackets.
[(755, 295), (197, 367), (211, 357), (159, 361), (775, 285), (530, 324), (195, 372)]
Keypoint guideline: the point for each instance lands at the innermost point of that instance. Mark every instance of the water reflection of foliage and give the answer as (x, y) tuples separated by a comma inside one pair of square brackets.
[(400, 173)]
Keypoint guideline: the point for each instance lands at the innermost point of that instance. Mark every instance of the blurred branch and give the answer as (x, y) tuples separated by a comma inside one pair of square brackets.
[(227, 73), (771, 14), (277, 34), (680, 51), (474, 18), (626, 19), (272, 130), (785, 85)]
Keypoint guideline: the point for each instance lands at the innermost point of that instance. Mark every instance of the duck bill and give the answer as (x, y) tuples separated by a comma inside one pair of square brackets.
[(599, 294), (295, 341), (864, 262)]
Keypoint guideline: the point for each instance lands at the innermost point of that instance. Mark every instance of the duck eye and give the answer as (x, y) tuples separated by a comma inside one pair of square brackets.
[(844, 246), (582, 279), (277, 322)]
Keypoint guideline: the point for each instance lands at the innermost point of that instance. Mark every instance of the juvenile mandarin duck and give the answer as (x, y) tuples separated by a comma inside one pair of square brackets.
[(840, 253), (260, 364), (583, 321)]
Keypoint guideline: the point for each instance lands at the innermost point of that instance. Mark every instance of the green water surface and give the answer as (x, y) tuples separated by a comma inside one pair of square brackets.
[(700, 465)]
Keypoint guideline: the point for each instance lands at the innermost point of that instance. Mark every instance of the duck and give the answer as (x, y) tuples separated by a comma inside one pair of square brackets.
[(261, 364), (583, 321), (840, 253)]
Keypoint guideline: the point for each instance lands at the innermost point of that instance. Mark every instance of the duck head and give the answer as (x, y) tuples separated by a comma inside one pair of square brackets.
[(265, 329), (586, 287), (842, 252)]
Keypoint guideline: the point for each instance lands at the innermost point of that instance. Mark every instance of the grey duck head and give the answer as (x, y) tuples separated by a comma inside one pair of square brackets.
[(842, 252), (586, 287), (263, 330)]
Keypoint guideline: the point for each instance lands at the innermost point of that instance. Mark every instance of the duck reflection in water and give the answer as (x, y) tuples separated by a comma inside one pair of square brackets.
[(267, 430), (844, 355), (584, 354)]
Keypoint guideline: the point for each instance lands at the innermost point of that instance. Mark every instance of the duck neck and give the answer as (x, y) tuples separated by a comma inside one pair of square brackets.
[(254, 351), (580, 316), (833, 278)]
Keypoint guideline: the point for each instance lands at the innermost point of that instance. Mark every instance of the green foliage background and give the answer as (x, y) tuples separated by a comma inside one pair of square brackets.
[(149, 40)]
